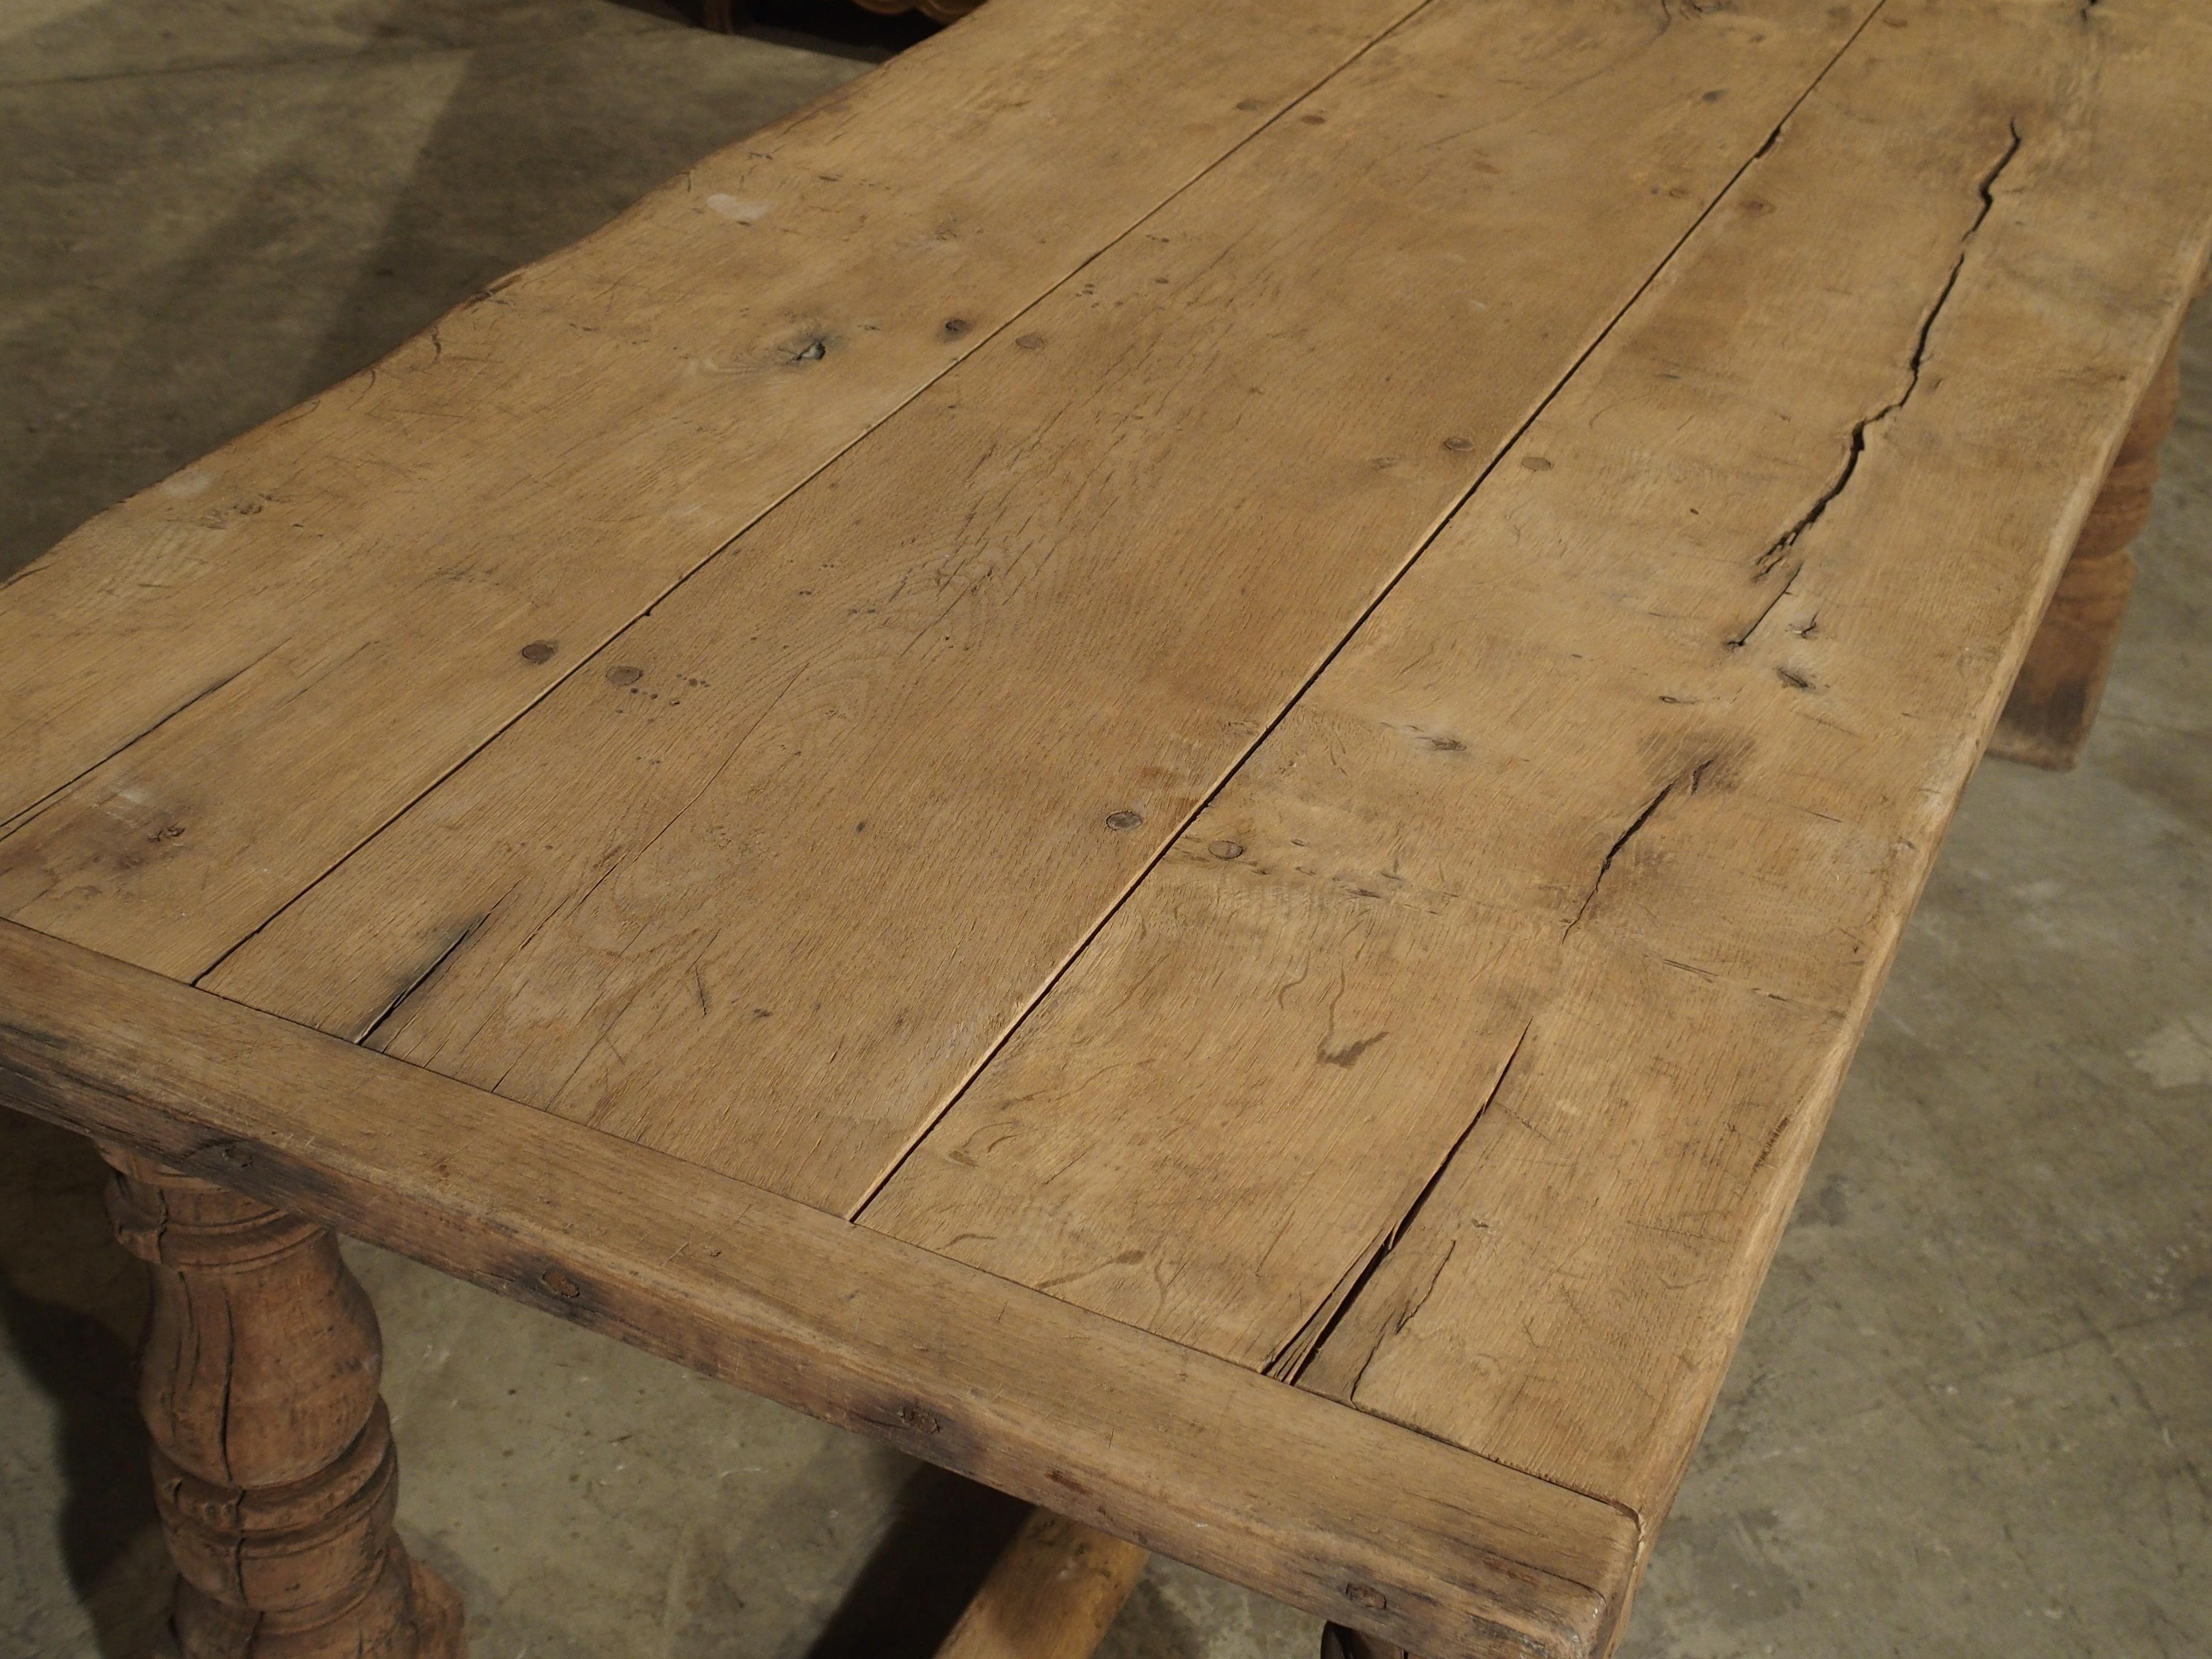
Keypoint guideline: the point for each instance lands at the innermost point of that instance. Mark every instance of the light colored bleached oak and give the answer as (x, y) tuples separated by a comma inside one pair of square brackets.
[(1457, 1063), (763, 884), (1668, 1162), (1464, 1056), (1050, 1595), (425, 549), (273, 1472), (1326, 1507), (2054, 702)]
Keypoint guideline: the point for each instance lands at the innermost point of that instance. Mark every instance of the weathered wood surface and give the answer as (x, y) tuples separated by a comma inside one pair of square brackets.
[(236, 677), (1050, 1595), (1304, 1498), (1464, 1056), (273, 1467), (2054, 701), (1456, 1062), (764, 883)]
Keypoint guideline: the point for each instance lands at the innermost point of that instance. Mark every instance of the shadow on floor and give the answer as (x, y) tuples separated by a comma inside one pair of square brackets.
[(67, 1342), (929, 1565), (533, 149), (306, 214), (835, 26)]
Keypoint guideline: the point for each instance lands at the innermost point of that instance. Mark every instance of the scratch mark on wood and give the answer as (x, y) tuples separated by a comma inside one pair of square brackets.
[(1738, 641)]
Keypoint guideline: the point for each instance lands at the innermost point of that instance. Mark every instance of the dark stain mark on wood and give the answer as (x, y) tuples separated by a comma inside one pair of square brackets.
[(1347, 1056), (561, 1285)]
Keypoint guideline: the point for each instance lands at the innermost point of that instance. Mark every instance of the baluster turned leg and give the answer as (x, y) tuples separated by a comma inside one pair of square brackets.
[(2054, 699), (273, 1464)]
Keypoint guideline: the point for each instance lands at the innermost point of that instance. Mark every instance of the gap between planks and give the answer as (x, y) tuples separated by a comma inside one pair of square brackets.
[(616, 630), (921, 1132), (1321, 1503)]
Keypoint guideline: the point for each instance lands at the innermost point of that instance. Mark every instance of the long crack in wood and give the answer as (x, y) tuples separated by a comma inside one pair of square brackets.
[(1621, 840), (1291, 1361), (1986, 188), (366, 1039)]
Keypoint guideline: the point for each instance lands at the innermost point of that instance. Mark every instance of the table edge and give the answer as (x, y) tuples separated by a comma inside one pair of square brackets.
[(1355, 1519)]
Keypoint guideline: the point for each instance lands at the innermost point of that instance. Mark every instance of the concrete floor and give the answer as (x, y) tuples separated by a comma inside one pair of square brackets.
[(1973, 1416)]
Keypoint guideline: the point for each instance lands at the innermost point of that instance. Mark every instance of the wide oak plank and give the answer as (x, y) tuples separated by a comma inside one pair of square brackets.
[(764, 884), (217, 691), (1483, 1024), (1670, 1155), (1353, 1518)]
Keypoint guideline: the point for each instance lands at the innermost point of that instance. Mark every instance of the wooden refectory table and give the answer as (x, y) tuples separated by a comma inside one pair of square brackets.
[(1170, 755)]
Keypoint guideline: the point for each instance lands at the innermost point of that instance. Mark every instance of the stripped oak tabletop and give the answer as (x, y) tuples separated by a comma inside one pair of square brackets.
[(1171, 755)]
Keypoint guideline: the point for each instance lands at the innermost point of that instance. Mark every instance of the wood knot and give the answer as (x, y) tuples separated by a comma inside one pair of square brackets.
[(918, 1419), (560, 1284), (1368, 1597)]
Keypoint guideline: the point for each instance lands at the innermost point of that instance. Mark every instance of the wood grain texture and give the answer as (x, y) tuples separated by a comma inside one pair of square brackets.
[(273, 1472), (1051, 1593), (765, 882), (2054, 701), (1642, 1135), (217, 691), (1464, 1056), (1301, 1497)]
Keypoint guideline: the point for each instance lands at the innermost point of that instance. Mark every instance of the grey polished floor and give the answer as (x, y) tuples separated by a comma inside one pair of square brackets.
[(1973, 1416)]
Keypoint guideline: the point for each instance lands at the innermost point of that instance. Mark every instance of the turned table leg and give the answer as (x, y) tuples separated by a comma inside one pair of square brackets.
[(2054, 701), (273, 1464)]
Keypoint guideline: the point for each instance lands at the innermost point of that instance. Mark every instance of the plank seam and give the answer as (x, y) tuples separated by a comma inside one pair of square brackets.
[(34, 1058), (615, 635), (1237, 764)]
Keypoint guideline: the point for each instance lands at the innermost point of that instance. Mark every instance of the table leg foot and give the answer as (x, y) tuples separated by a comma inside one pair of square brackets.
[(274, 1469), (2054, 702)]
